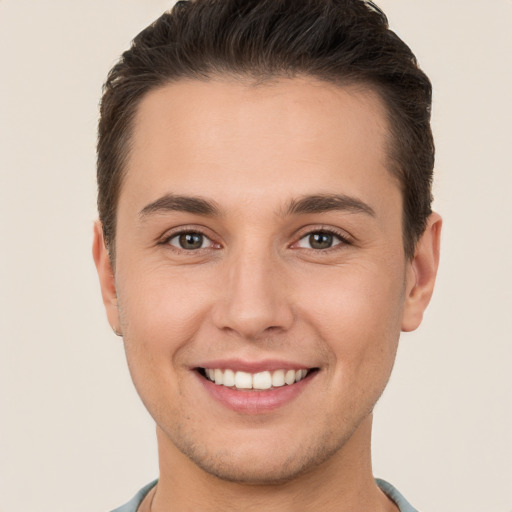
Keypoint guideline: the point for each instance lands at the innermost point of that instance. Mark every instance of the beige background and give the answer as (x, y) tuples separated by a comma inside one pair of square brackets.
[(73, 435)]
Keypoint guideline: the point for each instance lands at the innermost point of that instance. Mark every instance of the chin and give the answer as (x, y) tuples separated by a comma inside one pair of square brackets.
[(261, 471), (259, 463)]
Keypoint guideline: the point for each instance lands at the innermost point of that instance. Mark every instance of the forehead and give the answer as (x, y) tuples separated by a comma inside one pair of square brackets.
[(226, 136)]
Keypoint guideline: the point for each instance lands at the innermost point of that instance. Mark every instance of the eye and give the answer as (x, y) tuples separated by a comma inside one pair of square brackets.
[(320, 240), (190, 241)]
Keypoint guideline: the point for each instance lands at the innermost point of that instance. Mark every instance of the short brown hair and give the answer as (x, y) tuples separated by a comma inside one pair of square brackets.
[(338, 41)]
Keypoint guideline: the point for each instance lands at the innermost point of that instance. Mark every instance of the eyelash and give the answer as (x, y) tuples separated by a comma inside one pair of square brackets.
[(342, 240), (191, 231)]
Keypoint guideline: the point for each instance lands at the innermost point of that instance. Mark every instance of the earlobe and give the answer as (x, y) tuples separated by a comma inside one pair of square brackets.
[(106, 276), (421, 274)]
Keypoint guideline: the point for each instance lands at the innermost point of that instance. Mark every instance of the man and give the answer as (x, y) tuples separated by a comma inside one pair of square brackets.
[(265, 233)]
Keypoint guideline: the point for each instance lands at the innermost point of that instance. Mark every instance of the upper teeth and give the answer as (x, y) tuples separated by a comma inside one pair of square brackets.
[(261, 380)]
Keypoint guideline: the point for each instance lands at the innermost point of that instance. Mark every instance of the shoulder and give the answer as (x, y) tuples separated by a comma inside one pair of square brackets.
[(134, 503), (386, 487), (393, 494)]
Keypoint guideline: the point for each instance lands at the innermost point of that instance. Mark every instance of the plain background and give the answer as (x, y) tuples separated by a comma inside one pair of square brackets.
[(73, 434)]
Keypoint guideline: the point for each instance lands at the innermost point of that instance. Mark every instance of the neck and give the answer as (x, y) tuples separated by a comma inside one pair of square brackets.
[(342, 483)]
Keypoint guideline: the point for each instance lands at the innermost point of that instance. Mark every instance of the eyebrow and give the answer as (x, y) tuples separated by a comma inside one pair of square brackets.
[(317, 203), (321, 203), (178, 203)]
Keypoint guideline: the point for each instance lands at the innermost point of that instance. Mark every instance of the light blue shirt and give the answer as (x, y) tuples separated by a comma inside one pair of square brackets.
[(387, 488)]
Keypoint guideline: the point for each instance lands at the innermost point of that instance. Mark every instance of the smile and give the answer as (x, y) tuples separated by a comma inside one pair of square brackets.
[(259, 381), (254, 387)]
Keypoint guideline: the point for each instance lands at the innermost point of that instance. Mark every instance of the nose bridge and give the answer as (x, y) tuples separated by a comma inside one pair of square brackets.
[(254, 300)]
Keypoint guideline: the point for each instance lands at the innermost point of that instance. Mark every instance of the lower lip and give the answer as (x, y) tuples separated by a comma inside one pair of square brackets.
[(255, 401)]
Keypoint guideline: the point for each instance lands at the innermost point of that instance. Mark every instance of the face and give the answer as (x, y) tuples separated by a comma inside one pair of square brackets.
[(260, 280)]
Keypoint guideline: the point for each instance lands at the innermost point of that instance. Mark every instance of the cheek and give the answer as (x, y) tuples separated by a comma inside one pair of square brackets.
[(161, 304), (160, 314), (358, 314)]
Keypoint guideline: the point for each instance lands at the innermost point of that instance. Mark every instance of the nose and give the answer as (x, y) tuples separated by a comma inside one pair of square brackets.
[(255, 300)]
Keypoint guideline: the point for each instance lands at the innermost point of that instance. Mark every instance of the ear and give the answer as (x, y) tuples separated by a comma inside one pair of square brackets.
[(106, 277), (421, 274)]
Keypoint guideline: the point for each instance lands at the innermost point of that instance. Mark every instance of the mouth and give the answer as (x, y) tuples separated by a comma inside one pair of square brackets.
[(261, 381), (255, 387)]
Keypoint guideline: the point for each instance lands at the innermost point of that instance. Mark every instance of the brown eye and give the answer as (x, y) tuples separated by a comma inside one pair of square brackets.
[(189, 241), (319, 240)]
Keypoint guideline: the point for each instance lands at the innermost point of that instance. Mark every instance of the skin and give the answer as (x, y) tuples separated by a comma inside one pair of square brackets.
[(257, 289)]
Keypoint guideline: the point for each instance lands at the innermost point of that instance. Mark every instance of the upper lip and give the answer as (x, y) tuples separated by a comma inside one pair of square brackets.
[(253, 366)]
